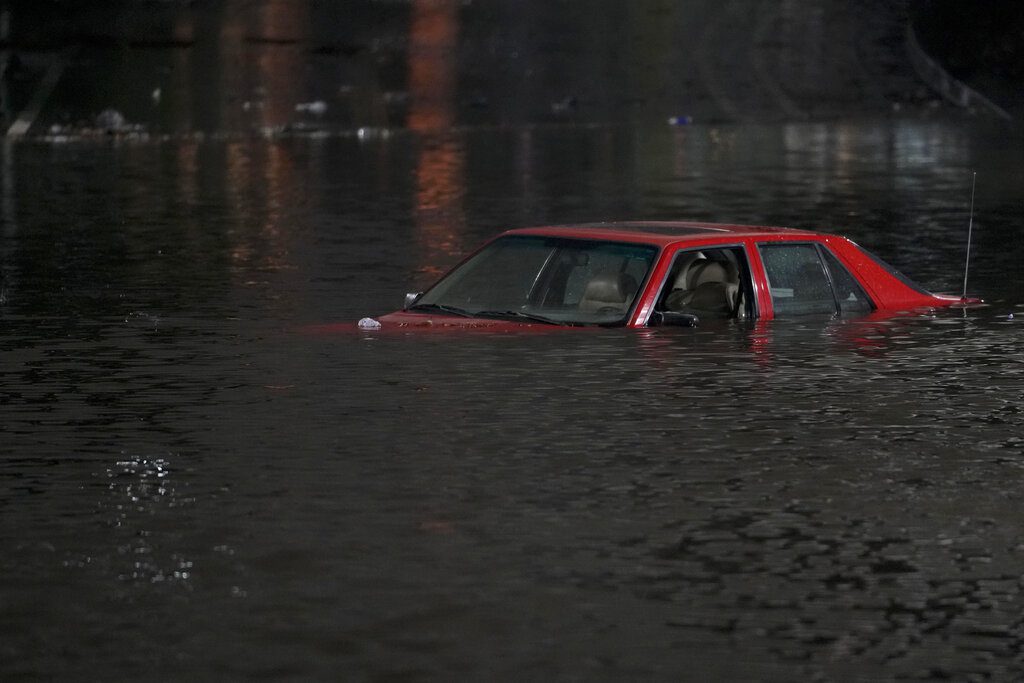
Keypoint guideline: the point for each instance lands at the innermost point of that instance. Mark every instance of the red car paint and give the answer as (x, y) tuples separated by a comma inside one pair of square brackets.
[(888, 292)]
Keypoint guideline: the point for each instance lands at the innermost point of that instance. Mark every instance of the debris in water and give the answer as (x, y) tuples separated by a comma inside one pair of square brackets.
[(110, 120), (318, 107), (370, 133), (564, 106), (369, 324)]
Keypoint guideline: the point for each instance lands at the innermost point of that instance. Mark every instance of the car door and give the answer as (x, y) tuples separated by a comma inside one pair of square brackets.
[(806, 278), (705, 283)]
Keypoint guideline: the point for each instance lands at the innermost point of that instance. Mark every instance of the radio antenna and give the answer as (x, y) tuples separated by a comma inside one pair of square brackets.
[(970, 228)]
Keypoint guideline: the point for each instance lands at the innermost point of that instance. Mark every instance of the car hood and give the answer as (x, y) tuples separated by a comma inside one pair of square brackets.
[(405, 322), (409, 321)]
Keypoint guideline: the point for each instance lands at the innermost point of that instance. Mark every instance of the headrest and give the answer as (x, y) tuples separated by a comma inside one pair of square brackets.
[(610, 287), (709, 271), (688, 265)]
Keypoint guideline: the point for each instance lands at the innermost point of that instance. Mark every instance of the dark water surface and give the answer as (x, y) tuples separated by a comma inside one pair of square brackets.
[(199, 481), (194, 483)]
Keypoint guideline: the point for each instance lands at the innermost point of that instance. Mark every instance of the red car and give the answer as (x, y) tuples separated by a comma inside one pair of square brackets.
[(643, 274)]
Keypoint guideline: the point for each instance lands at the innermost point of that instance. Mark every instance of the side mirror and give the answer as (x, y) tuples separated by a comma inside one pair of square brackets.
[(410, 299), (674, 319)]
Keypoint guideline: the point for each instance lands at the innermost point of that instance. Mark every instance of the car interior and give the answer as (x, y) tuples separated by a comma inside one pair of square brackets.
[(608, 292), (707, 284)]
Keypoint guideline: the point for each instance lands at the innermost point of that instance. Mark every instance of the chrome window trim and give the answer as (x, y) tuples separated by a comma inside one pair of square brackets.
[(828, 278), (822, 247)]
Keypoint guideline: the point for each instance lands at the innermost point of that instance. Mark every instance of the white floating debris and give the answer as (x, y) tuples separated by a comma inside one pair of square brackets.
[(369, 324), (318, 107), (110, 120)]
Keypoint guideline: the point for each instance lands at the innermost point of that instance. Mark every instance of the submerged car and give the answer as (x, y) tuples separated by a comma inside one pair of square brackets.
[(643, 274)]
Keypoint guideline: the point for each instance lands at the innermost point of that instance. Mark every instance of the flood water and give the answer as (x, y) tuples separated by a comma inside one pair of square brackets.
[(198, 479)]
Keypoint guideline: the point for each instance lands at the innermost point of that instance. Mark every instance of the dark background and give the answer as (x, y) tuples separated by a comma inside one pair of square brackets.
[(207, 472), (237, 66)]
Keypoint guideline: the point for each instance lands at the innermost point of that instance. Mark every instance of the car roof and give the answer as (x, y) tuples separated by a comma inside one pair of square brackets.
[(656, 232)]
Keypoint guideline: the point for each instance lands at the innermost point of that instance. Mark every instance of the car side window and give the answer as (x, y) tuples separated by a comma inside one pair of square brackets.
[(797, 279), (806, 279), (708, 283), (849, 294)]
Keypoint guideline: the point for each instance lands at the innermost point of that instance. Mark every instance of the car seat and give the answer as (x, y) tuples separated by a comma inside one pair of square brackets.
[(711, 289), (607, 292)]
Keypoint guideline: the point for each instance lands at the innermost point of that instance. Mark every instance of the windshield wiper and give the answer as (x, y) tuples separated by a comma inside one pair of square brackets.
[(525, 316), (453, 310), (440, 308)]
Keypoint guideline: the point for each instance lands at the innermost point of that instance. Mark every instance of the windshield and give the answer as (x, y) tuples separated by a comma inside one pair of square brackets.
[(546, 279)]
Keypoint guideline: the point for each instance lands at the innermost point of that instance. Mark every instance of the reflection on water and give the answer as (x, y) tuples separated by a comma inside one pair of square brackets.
[(440, 216), (207, 471), (8, 210), (439, 172), (190, 482), (260, 185), (433, 36)]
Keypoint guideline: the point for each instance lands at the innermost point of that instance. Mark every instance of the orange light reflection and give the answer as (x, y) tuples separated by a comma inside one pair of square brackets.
[(440, 168)]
